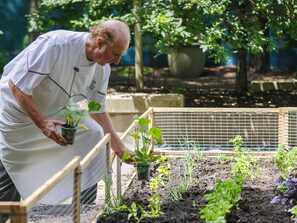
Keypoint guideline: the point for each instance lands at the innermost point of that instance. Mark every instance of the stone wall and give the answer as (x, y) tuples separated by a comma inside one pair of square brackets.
[(123, 107)]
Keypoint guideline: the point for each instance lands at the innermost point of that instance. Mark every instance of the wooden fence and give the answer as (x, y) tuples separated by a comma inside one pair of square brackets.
[(263, 130), (18, 211)]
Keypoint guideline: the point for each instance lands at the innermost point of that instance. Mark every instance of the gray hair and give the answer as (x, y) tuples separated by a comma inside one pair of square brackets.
[(110, 30)]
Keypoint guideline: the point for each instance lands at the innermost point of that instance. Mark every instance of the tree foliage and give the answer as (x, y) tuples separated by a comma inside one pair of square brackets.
[(237, 24), (223, 27)]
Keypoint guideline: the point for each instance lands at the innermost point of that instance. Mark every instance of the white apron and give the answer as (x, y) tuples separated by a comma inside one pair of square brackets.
[(29, 157)]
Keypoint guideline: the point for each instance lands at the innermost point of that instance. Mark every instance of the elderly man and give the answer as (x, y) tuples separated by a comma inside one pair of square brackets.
[(57, 68)]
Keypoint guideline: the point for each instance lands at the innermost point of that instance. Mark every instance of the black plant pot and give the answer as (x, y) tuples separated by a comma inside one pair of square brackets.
[(143, 171), (68, 133)]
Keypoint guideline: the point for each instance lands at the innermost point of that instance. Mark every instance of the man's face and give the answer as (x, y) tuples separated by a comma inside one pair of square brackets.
[(110, 53)]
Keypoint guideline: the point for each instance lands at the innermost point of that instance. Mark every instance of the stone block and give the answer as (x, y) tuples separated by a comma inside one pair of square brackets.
[(123, 107)]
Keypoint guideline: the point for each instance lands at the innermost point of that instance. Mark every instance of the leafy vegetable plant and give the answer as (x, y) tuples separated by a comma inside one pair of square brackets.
[(285, 159), (286, 193), (145, 140), (74, 113), (244, 164), (226, 193), (155, 203)]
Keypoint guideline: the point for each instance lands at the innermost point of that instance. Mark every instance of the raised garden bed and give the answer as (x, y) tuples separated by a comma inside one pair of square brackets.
[(254, 205)]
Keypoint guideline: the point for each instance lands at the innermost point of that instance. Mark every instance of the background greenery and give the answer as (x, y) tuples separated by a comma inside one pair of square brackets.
[(244, 28)]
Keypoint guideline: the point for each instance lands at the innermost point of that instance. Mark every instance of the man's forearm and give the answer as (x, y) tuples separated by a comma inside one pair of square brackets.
[(28, 104), (48, 127), (116, 143)]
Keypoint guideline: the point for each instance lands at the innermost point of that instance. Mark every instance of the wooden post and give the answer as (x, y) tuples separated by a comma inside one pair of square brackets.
[(107, 174), (19, 214), (283, 127), (151, 118), (136, 131), (76, 195), (119, 178), (138, 49)]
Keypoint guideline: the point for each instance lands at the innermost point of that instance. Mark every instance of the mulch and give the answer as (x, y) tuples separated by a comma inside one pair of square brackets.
[(214, 88)]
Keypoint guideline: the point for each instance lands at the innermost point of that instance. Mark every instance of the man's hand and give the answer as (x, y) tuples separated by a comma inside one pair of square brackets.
[(49, 129), (120, 153)]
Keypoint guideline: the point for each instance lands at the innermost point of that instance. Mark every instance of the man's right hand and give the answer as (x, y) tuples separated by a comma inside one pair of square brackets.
[(49, 129)]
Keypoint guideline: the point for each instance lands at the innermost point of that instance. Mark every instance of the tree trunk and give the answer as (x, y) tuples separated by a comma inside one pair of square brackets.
[(241, 71), (260, 62), (33, 8), (138, 51)]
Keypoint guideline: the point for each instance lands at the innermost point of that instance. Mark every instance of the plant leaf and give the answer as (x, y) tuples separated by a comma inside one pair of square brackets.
[(84, 127), (93, 106), (143, 121)]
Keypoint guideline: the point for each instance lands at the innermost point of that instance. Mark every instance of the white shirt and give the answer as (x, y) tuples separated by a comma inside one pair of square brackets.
[(53, 69)]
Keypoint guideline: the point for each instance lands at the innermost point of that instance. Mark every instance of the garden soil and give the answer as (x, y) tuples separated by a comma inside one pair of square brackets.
[(214, 88), (254, 205)]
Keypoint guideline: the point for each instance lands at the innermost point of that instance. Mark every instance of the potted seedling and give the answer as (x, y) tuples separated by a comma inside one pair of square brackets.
[(145, 140), (74, 113)]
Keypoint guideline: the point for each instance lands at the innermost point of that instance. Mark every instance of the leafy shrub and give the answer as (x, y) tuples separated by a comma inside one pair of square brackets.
[(285, 159), (244, 164), (3, 61), (286, 192)]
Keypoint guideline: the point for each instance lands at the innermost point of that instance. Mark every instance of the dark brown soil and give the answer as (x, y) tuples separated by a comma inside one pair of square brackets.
[(214, 88), (254, 205)]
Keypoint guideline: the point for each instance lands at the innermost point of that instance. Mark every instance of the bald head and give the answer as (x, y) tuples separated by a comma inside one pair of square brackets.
[(111, 31)]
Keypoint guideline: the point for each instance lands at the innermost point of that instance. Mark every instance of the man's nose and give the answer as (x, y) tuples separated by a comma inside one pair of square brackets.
[(116, 60)]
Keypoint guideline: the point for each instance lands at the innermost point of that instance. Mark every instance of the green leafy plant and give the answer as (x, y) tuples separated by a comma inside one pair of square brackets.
[(226, 195), (223, 158), (193, 157), (74, 113), (163, 171), (293, 211), (155, 203), (285, 159), (286, 192), (145, 140), (133, 212), (176, 193), (245, 164), (112, 203), (172, 23), (155, 206)]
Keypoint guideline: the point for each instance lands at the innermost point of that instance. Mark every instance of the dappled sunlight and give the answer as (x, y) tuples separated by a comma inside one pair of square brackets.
[(214, 88)]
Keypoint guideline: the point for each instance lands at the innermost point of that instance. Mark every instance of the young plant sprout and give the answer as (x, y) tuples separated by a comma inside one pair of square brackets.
[(74, 113), (145, 141)]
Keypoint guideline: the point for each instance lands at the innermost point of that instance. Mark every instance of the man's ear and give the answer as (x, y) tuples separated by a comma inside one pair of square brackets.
[(99, 42)]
